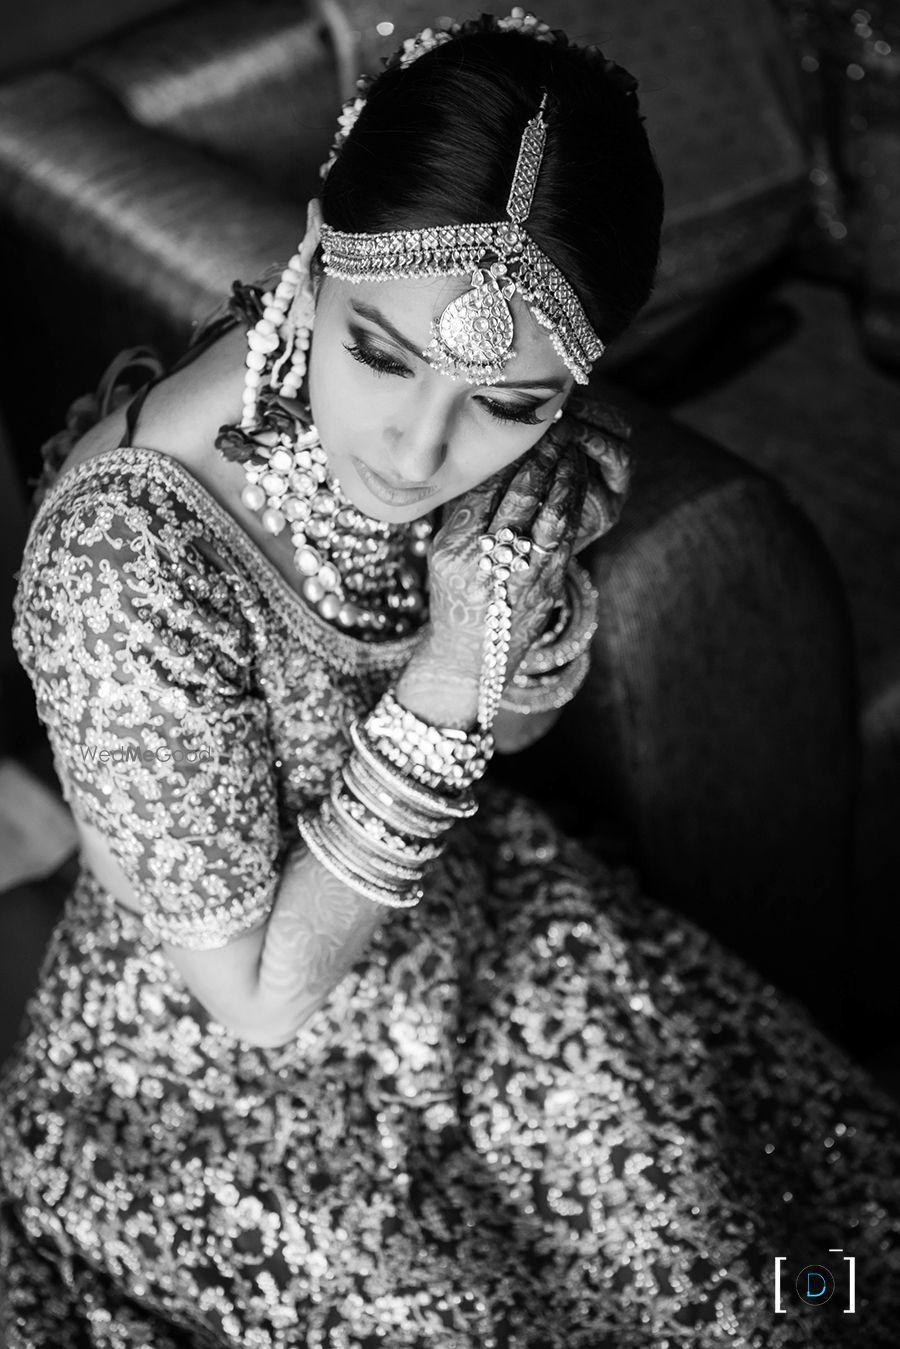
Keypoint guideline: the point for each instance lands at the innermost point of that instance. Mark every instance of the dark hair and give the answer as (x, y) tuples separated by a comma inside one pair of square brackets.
[(437, 143)]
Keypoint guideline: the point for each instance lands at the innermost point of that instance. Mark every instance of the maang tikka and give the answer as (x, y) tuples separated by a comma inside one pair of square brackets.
[(473, 337)]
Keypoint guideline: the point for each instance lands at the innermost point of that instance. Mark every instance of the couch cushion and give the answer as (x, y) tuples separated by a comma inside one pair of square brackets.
[(134, 238), (45, 30), (169, 225), (824, 422), (254, 85)]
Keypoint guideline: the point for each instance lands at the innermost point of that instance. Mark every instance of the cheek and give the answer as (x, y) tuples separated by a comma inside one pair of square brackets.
[(482, 453), (346, 407), (333, 403)]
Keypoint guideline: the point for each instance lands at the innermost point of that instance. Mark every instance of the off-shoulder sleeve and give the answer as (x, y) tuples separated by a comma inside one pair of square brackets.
[(140, 652)]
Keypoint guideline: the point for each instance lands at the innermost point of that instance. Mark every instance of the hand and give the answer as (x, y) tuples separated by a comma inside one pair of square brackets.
[(540, 497), (610, 468)]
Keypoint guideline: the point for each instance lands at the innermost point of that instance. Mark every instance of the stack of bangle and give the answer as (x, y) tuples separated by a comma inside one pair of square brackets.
[(406, 782), (380, 829), (556, 667)]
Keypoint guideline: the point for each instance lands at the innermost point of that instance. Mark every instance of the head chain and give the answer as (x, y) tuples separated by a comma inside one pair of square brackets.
[(473, 337)]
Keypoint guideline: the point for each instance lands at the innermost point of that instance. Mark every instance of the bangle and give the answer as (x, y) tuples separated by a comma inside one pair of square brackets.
[(373, 865), (378, 829), (457, 807), (583, 599), (322, 848), (375, 833), (386, 806), (546, 693), (562, 617)]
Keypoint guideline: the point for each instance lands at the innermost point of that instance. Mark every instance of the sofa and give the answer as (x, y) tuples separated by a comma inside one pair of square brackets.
[(738, 741)]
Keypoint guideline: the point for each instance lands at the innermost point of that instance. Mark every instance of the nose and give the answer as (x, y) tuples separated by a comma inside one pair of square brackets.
[(419, 445)]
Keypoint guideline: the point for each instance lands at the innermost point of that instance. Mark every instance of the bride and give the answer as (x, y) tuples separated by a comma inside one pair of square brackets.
[(335, 1043)]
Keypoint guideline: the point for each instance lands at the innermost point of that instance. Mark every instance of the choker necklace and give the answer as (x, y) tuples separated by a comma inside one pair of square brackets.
[(359, 573)]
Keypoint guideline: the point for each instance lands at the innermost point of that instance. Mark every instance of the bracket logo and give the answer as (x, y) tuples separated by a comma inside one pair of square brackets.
[(816, 1284)]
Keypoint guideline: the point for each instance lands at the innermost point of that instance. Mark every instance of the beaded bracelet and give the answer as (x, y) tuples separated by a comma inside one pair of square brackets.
[(441, 758)]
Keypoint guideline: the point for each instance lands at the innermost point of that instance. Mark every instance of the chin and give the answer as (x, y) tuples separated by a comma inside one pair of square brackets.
[(363, 486)]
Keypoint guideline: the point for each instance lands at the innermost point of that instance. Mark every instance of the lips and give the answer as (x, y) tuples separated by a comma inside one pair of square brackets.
[(386, 491)]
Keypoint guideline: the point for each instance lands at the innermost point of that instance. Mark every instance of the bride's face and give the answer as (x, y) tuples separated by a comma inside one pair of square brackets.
[(402, 438)]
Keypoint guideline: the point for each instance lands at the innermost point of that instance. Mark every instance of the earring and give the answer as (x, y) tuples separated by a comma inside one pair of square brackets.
[(265, 338), (299, 321), (286, 322), (298, 329), (557, 414)]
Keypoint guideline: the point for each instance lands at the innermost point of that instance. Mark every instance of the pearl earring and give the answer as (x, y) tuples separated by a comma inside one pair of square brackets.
[(557, 414), (265, 337), (287, 320)]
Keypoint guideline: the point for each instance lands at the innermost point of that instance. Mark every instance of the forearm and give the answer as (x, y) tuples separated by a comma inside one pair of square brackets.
[(319, 927), (317, 930), (264, 984)]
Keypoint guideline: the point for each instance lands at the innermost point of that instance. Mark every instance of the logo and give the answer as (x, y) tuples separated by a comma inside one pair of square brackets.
[(815, 1285)]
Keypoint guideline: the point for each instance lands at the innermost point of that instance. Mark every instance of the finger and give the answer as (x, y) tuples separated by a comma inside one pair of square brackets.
[(526, 491), (613, 458), (601, 508), (558, 517)]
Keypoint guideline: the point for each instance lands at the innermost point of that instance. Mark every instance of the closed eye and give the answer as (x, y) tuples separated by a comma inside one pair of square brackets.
[(506, 412), (381, 364)]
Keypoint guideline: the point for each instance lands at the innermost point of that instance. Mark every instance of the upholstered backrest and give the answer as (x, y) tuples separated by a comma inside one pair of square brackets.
[(253, 85)]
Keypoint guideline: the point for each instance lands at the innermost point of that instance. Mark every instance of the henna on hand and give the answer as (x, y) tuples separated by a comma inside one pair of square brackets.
[(542, 498)]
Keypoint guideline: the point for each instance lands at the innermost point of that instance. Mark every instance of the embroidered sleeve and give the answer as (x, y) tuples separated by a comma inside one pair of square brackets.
[(140, 655)]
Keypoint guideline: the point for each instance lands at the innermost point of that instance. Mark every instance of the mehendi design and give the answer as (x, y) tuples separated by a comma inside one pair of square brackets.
[(317, 930)]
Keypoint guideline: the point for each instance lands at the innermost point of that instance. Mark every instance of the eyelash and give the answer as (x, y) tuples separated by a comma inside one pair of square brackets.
[(383, 366)]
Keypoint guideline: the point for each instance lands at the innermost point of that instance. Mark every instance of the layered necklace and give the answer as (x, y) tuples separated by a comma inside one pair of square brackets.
[(360, 574)]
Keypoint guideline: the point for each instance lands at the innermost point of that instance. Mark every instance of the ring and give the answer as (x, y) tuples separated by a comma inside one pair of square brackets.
[(504, 552)]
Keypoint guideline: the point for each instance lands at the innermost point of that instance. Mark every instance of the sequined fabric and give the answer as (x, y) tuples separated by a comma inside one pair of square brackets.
[(543, 1111)]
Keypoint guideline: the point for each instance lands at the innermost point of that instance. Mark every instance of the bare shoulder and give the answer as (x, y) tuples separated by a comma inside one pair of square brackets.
[(182, 414)]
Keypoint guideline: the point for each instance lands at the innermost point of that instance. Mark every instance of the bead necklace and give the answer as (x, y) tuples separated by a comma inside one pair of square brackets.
[(359, 573)]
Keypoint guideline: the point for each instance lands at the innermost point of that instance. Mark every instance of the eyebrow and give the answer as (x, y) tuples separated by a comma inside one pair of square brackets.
[(369, 311)]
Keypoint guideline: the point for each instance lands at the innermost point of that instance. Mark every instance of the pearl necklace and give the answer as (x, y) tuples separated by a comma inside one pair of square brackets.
[(358, 571)]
